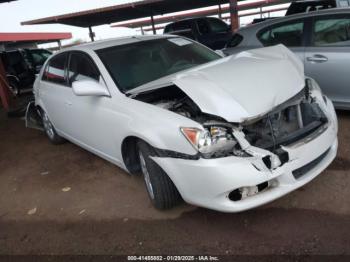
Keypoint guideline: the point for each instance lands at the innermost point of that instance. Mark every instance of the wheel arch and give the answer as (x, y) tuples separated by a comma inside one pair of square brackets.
[(130, 154)]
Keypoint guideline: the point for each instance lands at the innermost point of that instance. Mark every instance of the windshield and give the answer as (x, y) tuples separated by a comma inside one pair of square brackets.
[(135, 64)]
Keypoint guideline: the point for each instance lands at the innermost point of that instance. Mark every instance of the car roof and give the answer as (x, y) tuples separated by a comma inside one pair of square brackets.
[(101, 44), (330, 11)]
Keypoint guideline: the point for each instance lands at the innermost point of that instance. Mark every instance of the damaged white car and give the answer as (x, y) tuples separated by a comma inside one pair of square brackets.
[(227, 134)]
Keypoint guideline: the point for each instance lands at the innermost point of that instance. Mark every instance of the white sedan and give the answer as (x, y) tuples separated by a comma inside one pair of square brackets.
[(225, 133)]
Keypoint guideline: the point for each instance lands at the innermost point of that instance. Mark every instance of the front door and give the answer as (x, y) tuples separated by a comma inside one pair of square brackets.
[(90, 119)]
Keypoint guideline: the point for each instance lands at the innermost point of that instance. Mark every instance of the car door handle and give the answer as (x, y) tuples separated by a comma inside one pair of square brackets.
[(68, 103), (317, 59)]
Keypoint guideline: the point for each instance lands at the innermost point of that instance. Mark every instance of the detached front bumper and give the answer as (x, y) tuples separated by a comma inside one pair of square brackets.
[(208, 182)]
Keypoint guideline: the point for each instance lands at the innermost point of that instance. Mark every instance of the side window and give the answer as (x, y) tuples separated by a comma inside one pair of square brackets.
[(55, 70), (288, 34), (203, 27), (81, 67), (331, 32)]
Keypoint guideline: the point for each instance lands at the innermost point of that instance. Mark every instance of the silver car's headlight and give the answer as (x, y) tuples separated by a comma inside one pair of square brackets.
[(211, 139)]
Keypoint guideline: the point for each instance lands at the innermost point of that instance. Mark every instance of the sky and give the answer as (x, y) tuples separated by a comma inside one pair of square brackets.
[(13, 13)]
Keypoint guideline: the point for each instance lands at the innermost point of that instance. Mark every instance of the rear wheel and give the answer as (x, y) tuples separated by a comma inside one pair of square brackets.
[(161, 190), (50, 130)]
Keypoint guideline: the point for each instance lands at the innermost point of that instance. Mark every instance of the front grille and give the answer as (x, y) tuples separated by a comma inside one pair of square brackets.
[(297, 173)]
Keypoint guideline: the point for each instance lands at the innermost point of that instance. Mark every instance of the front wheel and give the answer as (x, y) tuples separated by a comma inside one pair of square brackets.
[(161, 190), (50, 130)]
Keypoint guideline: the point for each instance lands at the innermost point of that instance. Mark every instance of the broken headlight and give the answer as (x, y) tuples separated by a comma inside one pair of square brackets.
[(211, 139)]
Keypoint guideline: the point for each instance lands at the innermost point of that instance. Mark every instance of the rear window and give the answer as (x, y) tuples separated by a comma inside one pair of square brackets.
[(305, 7), (178, 26), (217, 26)]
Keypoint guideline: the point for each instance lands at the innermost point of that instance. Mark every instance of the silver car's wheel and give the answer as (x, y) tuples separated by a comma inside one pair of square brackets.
[(50, 130), (146, 175)]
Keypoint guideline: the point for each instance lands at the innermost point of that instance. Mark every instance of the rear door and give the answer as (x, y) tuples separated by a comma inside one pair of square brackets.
[(292, 34), (327, 59)]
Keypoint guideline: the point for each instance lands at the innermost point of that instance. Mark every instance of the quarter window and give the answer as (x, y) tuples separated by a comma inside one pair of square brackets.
[(55, 70), (332, 32), (288, 34), (81, 67)]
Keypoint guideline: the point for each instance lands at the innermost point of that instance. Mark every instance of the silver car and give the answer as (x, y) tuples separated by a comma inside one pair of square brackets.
[(322, 41)]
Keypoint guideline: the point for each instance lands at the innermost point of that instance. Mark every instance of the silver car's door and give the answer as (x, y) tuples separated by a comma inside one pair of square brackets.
[(327, 59), (290, 33), (90, 120), (54, 88)]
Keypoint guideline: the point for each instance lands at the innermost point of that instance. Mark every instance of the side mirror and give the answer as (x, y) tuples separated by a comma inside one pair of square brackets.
[(89, 88), (220, 53)]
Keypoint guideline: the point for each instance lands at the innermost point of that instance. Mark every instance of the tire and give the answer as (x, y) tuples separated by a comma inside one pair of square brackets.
[(50, 130), (161, 190)]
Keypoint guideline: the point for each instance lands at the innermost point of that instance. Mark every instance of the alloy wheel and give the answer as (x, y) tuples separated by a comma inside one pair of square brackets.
[(146, 175)]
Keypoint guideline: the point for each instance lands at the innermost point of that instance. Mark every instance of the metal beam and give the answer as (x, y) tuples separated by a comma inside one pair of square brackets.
[(153, 27), (234, 15), (59, 44), (147, 29), (91, 34)]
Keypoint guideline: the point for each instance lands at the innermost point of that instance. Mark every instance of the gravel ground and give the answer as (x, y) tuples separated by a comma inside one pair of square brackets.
[(64, 200)]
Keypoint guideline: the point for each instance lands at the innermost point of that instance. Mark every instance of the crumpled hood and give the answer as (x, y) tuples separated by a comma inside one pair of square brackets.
[(242, 86)]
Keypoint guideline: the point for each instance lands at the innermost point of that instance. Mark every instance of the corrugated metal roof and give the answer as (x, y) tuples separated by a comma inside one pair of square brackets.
[(124, 12), (33, 37), (200, 13)]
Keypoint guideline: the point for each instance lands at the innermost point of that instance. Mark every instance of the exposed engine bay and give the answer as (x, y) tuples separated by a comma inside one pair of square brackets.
[(261, 136)]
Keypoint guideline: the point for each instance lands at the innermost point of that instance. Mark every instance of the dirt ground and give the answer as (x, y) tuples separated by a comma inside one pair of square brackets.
[(64, 200)]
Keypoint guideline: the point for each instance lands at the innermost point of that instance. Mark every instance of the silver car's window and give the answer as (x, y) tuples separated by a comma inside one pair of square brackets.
[(81, 67), (135, 64), (55, 69), (290, 34), (332, 32)]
